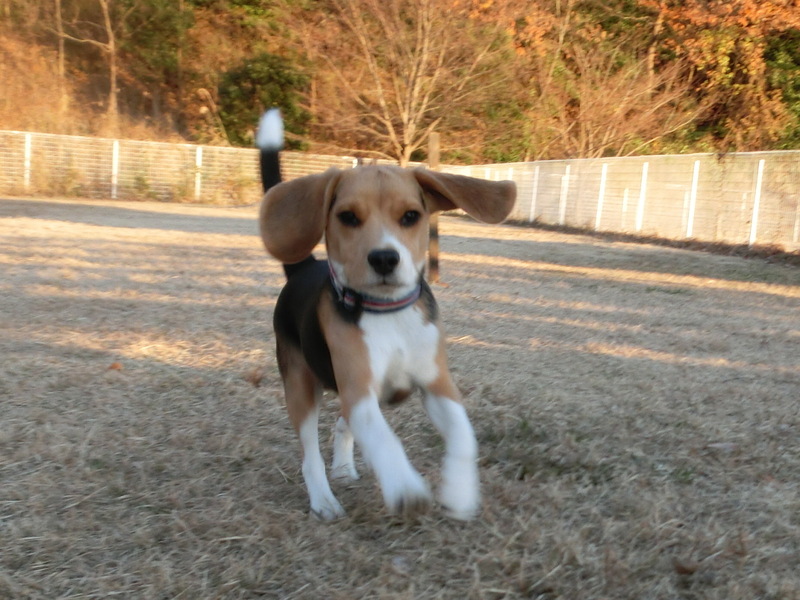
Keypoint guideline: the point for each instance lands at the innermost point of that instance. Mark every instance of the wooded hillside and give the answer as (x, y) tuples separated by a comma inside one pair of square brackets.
[(501, 80)]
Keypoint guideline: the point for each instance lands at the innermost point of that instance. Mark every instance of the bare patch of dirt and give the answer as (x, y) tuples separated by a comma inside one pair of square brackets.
[(637, 410)]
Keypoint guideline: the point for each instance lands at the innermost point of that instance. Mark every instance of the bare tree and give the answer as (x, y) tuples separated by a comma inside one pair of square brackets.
[(102, 34), (603, 107), (398, 70)]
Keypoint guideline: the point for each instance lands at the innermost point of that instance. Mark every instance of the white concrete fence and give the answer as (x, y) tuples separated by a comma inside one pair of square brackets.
[(742, 198), (88, 167)]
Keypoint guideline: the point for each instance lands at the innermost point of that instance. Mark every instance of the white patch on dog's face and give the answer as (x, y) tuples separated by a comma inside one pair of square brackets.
[(406, 275), (377, 210)]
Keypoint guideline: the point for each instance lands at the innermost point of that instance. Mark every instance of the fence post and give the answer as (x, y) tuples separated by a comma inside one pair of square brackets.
[(562, 200), (26, 162), (642, 196), (434, 151), (756, 202), (693, 199), (624, 211), (114, 168), (532, 213), (601, 195), (198, 174)]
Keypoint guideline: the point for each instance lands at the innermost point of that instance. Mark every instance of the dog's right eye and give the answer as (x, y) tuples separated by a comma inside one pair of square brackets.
[(348, 218), (410, 218)]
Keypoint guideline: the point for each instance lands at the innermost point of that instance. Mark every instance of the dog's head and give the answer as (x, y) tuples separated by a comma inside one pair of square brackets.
[(375, 220)]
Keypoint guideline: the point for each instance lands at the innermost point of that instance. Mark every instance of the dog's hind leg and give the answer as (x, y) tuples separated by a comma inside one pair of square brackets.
[(343, 466), (303, 397)]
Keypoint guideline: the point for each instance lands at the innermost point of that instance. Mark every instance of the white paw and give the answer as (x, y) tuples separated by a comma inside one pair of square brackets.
[(460, 492), (327, 508), (408, 495)]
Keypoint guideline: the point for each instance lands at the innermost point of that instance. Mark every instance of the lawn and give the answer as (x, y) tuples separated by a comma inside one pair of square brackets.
[(637, 409)]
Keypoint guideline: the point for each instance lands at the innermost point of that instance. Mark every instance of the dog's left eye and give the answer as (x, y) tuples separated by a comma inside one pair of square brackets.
[(409, 218)]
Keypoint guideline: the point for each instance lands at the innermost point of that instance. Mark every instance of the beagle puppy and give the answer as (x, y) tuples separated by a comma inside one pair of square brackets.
[(364, 323)]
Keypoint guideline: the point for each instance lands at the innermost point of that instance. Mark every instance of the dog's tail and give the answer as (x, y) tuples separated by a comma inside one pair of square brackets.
[(269, 140)]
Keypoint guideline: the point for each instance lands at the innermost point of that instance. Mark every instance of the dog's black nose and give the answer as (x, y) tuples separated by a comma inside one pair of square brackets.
[(383, 261)]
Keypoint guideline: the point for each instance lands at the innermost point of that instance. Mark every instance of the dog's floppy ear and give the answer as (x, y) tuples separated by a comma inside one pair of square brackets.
[(293, 215), (487, 201)]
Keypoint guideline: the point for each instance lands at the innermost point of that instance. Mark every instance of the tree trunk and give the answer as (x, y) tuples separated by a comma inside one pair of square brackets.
[(112, 111), (63, 97), (658, 26)]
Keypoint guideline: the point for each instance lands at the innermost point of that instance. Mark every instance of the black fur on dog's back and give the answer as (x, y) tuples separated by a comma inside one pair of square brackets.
[(296, 320)]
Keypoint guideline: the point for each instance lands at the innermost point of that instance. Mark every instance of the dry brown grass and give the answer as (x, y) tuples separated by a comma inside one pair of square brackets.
[(637, 409)]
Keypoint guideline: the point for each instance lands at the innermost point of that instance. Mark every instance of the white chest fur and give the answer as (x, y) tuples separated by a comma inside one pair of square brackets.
[(402, 348)]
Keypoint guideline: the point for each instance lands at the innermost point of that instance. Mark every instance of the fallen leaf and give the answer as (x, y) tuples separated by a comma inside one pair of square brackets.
[(255, 376), (685, 567)]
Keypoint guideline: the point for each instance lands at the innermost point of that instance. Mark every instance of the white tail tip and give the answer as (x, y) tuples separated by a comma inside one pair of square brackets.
[(270, 130)]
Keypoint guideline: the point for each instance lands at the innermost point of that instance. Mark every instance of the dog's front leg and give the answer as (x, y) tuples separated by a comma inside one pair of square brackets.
[(404, 490), (460, 491)]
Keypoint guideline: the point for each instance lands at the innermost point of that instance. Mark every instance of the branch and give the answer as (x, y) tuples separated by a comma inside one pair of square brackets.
[(102, 45)]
